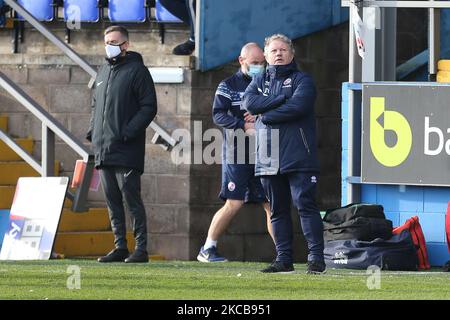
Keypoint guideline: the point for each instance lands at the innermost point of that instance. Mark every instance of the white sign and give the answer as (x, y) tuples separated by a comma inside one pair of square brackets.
[(34, 218)]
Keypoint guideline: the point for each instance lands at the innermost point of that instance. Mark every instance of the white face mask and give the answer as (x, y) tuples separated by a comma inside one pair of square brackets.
[(112, 50)]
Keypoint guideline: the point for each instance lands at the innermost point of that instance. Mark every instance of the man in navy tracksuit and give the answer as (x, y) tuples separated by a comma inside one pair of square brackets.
[(239, 184), (283, 98)]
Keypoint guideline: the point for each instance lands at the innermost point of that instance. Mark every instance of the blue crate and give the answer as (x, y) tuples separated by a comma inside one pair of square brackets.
[(436, 199), (400, 198), (438, 254), (433, 225), (394, 217), (369, 193)]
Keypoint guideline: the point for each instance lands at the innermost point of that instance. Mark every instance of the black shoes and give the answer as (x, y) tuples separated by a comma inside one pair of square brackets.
[(122, 255), (184, 49), (446, 267), (116, 255), (316, 267), (138, 256), (279, 267)]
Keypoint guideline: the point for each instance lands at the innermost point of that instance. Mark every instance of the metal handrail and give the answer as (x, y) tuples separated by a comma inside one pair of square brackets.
[(412, 64), (50, 36), (161, 137), (50, 128)]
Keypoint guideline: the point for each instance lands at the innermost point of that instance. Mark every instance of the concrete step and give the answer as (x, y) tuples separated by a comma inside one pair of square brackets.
[(96, 219), (7, 154), (4, 123), (6, 196), (11, 171), (73, 244)]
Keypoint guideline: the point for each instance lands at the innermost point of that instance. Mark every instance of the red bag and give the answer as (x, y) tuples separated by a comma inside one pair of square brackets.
[(413, 226), (447, 226)]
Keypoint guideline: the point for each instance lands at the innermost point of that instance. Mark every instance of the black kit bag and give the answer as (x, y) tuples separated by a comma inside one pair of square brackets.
[(361, 228), (352, 211), (397, 253), (357, 221)]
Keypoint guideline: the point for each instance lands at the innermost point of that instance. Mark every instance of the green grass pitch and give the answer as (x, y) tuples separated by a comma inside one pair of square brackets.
[(188, 280)]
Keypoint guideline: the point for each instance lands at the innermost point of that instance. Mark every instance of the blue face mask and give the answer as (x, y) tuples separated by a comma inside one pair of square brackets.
[(255, 69)]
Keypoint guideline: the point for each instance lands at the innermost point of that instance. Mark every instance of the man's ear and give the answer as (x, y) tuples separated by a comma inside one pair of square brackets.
[(126, 45), (241, 60)]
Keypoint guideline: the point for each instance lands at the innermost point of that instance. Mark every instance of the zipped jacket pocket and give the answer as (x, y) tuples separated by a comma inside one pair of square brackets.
[(305, 142)]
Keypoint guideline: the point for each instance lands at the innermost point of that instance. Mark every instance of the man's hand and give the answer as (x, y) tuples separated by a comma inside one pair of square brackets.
[(249, 118), (249, 128)]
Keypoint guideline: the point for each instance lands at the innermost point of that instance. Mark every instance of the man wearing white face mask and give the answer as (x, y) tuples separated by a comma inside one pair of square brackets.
[(123, 106), (239, 184)]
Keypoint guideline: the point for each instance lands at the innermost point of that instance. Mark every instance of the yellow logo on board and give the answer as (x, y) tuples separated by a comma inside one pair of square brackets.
[(382, 120)]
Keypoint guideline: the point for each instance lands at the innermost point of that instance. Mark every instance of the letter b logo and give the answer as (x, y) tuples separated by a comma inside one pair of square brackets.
[(381, 121)]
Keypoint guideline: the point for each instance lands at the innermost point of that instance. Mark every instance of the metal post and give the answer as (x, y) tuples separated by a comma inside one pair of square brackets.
[(434, 41), (15, 37), (354, 123), (370, 64), (48, 151), (389, 44)]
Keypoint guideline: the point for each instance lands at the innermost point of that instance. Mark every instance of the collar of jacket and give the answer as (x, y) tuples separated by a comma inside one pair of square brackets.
[(276, 71), (243, 75), (116, 60), (128, 57)]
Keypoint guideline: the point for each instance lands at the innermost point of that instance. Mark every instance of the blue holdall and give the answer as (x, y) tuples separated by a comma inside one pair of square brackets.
[(397, 253)]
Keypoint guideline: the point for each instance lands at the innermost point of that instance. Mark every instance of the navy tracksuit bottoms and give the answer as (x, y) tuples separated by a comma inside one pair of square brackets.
[(301, 187)]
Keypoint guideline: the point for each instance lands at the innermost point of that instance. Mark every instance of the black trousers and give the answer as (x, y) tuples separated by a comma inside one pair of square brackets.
[(183, 10), (119, 185)]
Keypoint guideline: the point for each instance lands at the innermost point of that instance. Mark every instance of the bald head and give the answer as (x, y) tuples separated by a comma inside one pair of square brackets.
[(249, 47), (251, 54)]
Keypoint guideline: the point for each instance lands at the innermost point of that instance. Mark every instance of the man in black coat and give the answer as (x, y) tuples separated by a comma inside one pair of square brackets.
[(286, 158), (124, 104)]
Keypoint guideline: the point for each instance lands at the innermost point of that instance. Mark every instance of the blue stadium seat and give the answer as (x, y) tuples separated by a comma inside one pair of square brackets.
[(2, 17), (88, 9), (127, 11), (42, 10), (163, 15)]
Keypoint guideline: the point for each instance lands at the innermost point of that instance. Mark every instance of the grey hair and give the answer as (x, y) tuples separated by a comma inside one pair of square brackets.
[(280, 37)]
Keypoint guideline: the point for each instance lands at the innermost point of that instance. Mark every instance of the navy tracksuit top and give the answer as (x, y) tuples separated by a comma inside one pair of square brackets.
[(228, 112), (283, 98)]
